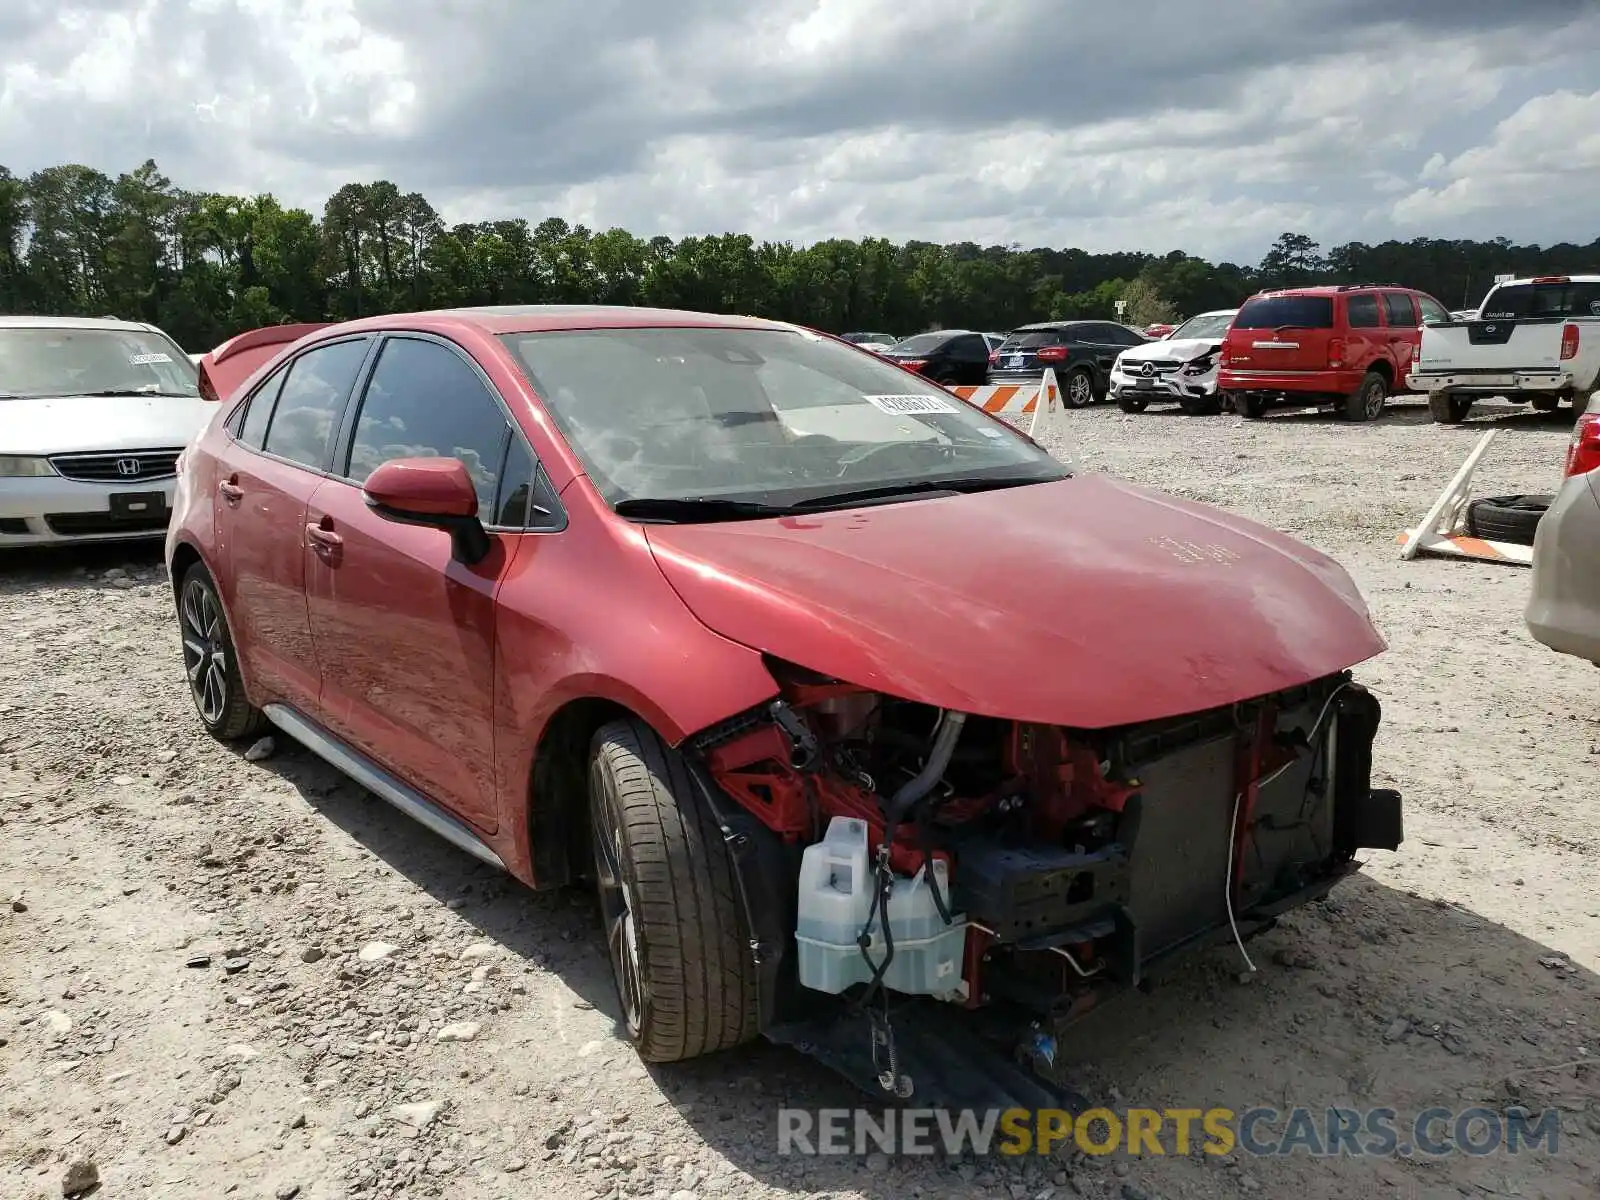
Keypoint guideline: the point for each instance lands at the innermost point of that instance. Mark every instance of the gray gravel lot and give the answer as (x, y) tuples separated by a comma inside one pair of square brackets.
[(231, 977)]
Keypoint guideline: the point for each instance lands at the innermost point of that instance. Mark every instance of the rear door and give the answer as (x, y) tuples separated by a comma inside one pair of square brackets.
[(1282, 333), (265, 477), (1365, 338)]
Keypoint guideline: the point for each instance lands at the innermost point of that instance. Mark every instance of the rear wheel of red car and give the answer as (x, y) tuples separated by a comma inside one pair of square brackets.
[(1079, 389), (211, 663), (1249, 404), (1447, 409), (1367, 401), (674, 926), (1132, 404)]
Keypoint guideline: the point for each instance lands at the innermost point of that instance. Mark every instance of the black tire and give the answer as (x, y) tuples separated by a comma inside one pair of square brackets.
[(1200, 406), (1367, 401), (1447, 409), (1077, 390), (1512, 519), (670, 878), (1132, 404), (1250, 404), (211, 664), (1545, 403)]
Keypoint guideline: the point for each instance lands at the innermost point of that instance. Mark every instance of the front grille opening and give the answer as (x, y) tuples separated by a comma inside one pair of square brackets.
[(82, 524), (118, 466)]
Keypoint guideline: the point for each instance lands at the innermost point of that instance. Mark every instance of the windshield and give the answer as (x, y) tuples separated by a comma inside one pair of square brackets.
[(769, 416), (1206, 325), (78, 362), (1286, 312), (921, 343), (1542, 300)]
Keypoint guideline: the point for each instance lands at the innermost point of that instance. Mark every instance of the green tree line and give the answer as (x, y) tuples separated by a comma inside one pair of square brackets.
[(75, 240)]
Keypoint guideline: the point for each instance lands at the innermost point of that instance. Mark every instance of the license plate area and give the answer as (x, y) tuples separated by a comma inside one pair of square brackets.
[(1144, 382), (137, 506)]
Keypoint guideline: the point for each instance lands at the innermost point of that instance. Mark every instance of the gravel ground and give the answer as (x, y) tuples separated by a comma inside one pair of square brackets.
[(237, 974)]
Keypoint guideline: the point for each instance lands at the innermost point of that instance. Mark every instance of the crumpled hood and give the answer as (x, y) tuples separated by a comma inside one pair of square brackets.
[(1183, 350), (1086, 602), (67, 424)]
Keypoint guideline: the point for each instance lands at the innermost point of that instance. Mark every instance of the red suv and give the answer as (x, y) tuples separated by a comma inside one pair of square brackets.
[(1347, 347), (741, 623)]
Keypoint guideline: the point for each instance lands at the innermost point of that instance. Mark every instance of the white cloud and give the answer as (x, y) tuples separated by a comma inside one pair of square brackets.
[(1031, 121), (1546, 154)]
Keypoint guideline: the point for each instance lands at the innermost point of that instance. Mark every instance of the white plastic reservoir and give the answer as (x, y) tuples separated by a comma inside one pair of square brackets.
[(836, 883)]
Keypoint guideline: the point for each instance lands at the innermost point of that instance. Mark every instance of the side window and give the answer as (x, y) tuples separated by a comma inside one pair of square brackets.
[(970, 348), (1125, 336), (526, 499), (1399, 310), (258, 411), (311, 401), (425, 401), (1432, 311), (1362, 311)]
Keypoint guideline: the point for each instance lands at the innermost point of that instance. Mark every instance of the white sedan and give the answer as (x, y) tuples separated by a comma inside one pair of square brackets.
[(93, 415), (1181, 366)]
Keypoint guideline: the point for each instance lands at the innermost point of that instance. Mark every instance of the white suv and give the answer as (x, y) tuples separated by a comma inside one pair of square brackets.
[(93, 415)]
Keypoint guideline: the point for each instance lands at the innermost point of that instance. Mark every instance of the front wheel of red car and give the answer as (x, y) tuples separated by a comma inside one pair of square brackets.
[(668, 899), (210, 662)]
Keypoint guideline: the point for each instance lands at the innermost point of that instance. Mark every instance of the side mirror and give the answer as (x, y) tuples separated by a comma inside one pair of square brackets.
[(436, 492)]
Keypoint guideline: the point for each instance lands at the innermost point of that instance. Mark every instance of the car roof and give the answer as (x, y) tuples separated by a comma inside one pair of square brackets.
[(542, 318), (1061, 324), (48, 322)]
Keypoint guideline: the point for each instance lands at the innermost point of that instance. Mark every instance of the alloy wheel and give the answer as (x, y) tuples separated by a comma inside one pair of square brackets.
[(205, 651), (1372, 402), (1080, 392), (616, 912)]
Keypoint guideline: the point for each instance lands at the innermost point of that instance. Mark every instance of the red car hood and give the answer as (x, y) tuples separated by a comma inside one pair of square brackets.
[(1086, 602)]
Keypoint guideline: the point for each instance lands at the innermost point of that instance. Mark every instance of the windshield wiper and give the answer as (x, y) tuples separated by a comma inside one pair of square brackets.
[(925, 488), (690, 509), (133, 392)]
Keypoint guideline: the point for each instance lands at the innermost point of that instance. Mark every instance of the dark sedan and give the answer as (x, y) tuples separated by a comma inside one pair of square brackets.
[(949, 356)]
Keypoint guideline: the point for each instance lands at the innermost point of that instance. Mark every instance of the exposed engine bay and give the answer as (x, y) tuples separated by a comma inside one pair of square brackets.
[(888, 849)]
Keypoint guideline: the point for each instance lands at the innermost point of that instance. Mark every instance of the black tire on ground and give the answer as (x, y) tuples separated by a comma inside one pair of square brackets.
[(1367, 401), (1132, 404), (1078, 388), (669, 898), (1200, 406), (1511, 519), (1250, 404), (1447, 409), (211, 663), (1545, 402)]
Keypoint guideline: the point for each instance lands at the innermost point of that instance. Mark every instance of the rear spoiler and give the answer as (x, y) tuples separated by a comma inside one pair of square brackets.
[(230, 364)]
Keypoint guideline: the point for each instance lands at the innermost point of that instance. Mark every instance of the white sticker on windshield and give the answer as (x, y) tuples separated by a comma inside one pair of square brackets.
[(140, 360), (912, 405)]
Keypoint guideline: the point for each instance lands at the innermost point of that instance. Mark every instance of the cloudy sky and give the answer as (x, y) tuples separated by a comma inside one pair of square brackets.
[(1207, 125)]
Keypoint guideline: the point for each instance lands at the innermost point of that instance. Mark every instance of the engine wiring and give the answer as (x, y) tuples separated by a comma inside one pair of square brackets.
[(1233, 825)]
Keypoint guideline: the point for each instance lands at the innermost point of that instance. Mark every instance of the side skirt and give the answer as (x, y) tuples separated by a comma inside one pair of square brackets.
[(379, 782)]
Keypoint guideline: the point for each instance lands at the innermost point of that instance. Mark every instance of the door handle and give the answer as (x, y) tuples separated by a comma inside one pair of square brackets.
[(322, 539), (230, 491)]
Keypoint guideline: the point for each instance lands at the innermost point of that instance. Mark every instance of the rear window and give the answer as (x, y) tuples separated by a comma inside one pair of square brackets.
[(922, 343), (1542, 300), (1032, 339), (1286, 312)]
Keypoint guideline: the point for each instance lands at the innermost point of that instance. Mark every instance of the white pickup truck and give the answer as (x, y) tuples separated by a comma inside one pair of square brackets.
[(1531, 341)]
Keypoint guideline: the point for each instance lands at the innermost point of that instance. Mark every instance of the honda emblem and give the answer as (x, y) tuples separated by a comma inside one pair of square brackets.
[(127, 466)]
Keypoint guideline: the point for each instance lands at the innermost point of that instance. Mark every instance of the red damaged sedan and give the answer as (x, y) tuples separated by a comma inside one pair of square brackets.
[(857, 708)]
